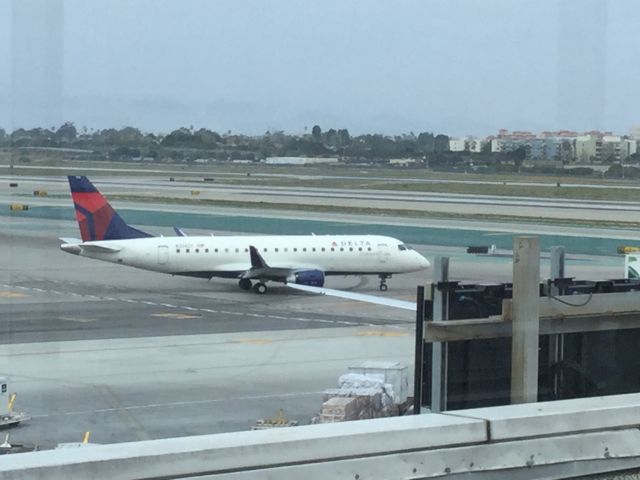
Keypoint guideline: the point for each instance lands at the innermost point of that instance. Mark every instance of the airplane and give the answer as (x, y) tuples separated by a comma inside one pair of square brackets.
[(295, 260)]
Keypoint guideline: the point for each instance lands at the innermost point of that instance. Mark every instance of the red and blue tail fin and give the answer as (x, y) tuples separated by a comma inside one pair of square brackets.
[(96, 218)]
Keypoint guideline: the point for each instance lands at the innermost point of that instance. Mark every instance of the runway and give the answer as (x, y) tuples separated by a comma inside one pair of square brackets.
[(131, 355), (159, 218), (362, 198)]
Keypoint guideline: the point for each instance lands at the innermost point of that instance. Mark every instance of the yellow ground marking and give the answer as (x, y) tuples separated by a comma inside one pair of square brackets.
[(7, 294), (253, 341), (381, 333), (178, 316)]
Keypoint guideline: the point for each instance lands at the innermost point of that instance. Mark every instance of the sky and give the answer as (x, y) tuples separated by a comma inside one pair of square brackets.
[(459, 67)]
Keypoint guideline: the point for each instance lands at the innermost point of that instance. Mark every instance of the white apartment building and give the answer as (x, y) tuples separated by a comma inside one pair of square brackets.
[(607, 147), (465, 144), (457, 144)]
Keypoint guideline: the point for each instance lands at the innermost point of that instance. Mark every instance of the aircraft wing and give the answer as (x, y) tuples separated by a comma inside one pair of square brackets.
[(361, 297), (260, 270)]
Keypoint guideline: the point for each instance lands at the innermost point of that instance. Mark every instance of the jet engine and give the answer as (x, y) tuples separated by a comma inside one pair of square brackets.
[(314, 278)]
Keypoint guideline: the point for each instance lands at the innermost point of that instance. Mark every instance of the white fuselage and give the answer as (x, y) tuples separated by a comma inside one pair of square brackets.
[(227, 256)]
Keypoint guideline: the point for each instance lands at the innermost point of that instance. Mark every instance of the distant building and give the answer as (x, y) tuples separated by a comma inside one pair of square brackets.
[(629, 147), (466, 144), (508, 144), (299, 160), (585, 148), (609, 148), (544, 149), (457, 144), (604, 147), (402, 162)]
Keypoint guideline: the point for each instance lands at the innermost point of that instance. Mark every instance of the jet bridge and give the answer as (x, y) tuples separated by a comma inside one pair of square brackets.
[(579, 338)]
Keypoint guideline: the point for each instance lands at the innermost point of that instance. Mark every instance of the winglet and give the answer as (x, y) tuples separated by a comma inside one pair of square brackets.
[(256, 259), (179, 232)]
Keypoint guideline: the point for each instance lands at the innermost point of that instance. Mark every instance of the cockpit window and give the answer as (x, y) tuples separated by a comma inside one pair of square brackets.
[(402, 247)]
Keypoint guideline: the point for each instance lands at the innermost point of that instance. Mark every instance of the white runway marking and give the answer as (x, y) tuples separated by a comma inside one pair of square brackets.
[(177, 404), (203, 310)]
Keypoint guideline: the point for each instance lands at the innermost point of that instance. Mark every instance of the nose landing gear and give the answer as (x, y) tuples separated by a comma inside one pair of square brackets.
[(383, 282)]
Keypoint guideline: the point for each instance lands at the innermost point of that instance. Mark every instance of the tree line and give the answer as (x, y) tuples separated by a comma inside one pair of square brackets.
[(185, 142)]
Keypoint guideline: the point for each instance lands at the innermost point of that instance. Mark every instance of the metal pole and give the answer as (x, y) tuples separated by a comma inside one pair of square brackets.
[(556, 342), (526, 322), (417, 375), (557, 265), (438, 349)]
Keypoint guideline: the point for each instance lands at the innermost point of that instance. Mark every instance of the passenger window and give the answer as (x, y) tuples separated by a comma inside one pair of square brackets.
[(322, 249), (197, 250), (226, 250), (264, 250), (341, 249), (246, 250), (359, 249), (304, 249), (216, 250), (237, 250), (187, 250), (369, 248), (206, 250), (333, 249), (295, 249), (351, 249), (313, 249), (276, 249)]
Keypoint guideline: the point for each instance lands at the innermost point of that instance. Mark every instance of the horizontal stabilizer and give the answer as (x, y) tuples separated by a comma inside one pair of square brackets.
[(70, 240), (360, 297), (99, 247)]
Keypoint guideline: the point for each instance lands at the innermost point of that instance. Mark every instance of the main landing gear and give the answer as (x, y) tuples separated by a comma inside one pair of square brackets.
[(259, 288), (383, 282)]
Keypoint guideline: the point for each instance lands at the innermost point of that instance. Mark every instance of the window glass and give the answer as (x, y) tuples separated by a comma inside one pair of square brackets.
[(452, 129)]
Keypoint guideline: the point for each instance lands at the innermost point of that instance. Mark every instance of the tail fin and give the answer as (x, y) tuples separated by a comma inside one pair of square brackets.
[(632, 266), (96, 218)]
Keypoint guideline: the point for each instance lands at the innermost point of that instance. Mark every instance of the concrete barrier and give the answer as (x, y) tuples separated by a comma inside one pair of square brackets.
[(553, 439)]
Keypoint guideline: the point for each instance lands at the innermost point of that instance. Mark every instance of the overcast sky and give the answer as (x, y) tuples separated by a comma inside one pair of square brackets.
[(455, 67)]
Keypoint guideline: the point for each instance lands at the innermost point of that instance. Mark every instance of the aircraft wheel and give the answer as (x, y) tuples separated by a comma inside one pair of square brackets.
[(260, 288), (383, 287), (245, 284)]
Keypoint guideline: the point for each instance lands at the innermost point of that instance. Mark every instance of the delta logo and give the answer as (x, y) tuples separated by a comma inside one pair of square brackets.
[(351, 243)]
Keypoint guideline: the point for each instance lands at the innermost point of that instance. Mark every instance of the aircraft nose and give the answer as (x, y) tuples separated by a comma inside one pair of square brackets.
[(424, 263)]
